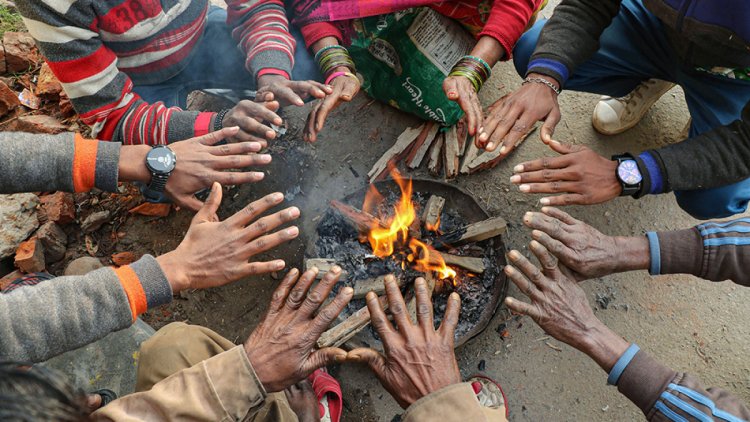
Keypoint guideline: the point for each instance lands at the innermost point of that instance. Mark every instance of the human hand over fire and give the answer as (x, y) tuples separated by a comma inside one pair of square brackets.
[(286, 92), (250, 117), (419, 360), (344, 89)]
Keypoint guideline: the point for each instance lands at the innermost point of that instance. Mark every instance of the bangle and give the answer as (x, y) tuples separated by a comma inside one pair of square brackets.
[(482, 62), (476, 70), (337, 74), (543, 82), (329, 47), (219, 119), (332, 57)]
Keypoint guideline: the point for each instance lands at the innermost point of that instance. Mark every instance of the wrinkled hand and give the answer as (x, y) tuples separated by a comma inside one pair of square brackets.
[(281, 348), (250, 117), (214, 253), (199, 164), (460, 90), (579, 176), (418, 359), (344, 90), (286, 92), (560, 307), (510, 117)]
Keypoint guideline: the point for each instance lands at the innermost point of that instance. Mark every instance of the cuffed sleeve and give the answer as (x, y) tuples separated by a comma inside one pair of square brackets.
[(643, 380), (457, 402), (680, 252)]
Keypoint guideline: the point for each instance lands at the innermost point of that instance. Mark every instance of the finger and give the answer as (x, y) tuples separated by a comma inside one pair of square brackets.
[(503, 128), (560, 215), (351, 87), (208, 211), (450, 87), (542, 164), (323, 357), (378, 319), (552, 187), (547, 175), (568, 199), (467, 101), (549, 225), (255, 208), (259, 267), (396, 304), (328, 314), (450, 319), (327, 105), (559, 249), (548, 128), (320, 293), (229, 178), (261, 112), (524, 308), (253, 129), (288, 95), (375, 360), (270, 222), (243, 136), (218, 135), (546, 259), (424, 306), (309, 88), (282, 291), (490, 123), (188, 201), (528, 269), (238, 148), (240, 161), (523, 284), (299, 291), (310, 134), (264, 96), (564, 148), (516, 134), (270, 241)]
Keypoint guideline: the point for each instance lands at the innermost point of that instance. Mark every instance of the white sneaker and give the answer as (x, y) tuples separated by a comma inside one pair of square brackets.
[(616, 115)]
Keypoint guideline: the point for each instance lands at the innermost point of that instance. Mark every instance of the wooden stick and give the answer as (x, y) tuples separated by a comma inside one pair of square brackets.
[(487, 160), (348, 328), (432, 211), (462, 131), (361, 220), (469, 263), (324, 265), (436, 157), (476, 232), (469, 156), (450, 154), (394, 153), (422, 145), (377, 285)]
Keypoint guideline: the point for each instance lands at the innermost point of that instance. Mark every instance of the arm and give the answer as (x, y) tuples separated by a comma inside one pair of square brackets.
[(507, 21)]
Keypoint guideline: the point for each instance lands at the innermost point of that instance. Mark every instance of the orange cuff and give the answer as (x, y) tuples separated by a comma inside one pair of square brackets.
[(133, 289), (84, 163)]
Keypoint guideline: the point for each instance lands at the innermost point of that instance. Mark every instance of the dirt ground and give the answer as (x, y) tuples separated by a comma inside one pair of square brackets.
[(692, 325)]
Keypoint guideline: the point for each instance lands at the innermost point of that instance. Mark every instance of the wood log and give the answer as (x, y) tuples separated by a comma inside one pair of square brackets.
[(469, 263), (476, 232), (411, 307), (359, 219), (395, 153), (432, 211), (436, 156), (348, 328), (487, 160), (462, 131), (469, 156), (422, 145), (450, 154), (324, 265), (377, 285)]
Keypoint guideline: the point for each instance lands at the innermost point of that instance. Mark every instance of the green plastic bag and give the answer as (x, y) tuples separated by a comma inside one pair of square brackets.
[(404, 57)]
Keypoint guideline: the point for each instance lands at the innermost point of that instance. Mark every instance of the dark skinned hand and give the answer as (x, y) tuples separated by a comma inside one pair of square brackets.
[(282, 347), (286, 92), (344, 90), (214, 253), (418, 360), (560, 307), (460, 90), (251, 118), (587, 252), (510, 117), (578, 177)]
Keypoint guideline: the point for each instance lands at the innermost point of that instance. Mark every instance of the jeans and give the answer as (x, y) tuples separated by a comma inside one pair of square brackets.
[(217, 63), (635, 48)]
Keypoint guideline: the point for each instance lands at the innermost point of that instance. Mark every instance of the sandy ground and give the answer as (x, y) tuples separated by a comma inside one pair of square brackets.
[(692, 325)]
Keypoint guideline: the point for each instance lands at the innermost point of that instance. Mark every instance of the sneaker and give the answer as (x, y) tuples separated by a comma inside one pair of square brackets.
[(616, 115)]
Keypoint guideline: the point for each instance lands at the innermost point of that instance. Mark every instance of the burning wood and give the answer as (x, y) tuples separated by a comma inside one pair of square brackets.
[(348, 328), (451, 154), (432, 212), (436, 157), (377, 285), (476, 232), (361, 220), (471, 264), (395, 153), (422, 145)]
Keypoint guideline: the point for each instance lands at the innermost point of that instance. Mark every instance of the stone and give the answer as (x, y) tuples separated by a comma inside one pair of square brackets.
[(123, 258), (39, 123), (83, 265), (47, 84), (8, 99), (59, 207), (8, 278), (3, 65), (17, 221), (20, 51), (30, 256), (152, 209), (94, 221), (55, 241)]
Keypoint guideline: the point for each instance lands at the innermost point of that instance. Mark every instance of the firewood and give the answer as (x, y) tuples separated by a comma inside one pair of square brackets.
[(488, 160), (361, 220), (348, 328), (436, 156), (323, 265), (377, 285), (476, 232), (450, 154), (432, 211), (462, 131), (395, 153), (469, 263), (422, 145), (411, 307), (469, 156)]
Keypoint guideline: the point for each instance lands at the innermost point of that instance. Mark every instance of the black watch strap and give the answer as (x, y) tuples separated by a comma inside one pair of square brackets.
[(158, 182)]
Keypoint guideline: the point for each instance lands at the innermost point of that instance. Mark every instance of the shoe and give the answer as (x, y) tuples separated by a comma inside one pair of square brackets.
[(616, 115)]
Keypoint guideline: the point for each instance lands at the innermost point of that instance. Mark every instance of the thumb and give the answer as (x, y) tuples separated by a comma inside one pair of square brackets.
[(548, 128), (190, 202), (324, 357), (372, 358), (562, 148), (450, 88), (208, 211)]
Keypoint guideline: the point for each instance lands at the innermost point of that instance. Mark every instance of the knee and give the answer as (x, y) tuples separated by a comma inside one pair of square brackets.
[(525, 47), (169, 339)]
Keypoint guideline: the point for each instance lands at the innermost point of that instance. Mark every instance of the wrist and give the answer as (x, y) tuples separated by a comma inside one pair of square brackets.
[(603, 345), (174, 270), (270, 78), (132, 164), (549, 79), (631, 253)]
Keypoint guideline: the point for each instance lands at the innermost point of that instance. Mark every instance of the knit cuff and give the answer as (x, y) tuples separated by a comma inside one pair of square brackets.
[(655, 253), (681, 252), (621, 364), (181, 126), (643, 380), (84, 163), (145, 285), (648, 163), (107, 166), (269, 59), (549, 67)]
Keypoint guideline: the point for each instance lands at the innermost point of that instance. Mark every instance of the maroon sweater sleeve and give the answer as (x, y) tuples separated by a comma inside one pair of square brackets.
[(508, 20)]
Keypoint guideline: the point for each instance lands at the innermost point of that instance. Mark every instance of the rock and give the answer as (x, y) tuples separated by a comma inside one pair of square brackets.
[(123, 258), (83, 265), (94, 221), (47, 84), (8, 278), (66, 107), (3, 65), (30, 256), (151, 209), (59, 208), (55, 241), (20, 51), (8, 99), (17, 221), (39, 123)]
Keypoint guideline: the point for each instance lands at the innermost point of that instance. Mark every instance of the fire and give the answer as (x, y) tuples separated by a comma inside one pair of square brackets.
[(393, 231)]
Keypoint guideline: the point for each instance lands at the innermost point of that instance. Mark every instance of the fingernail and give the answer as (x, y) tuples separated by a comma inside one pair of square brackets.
[(348, 291), (555, 142), (481, 130), (293, 212), (524, 188), (534, 244), (515, 179), (536, 234), (293, 271), (454, 296), (335, 269), (264, 158), (508, 301), (483, 136), (292, 231), (544, 201), (277, 196), (316, 270), (545, 209), (514, 255), (258, 175), (280, 264), (490, 146), (419, 282), (518, 168), (503, 149), (527, 216)]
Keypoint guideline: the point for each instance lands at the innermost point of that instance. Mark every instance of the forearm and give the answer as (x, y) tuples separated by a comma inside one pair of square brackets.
[(632, 253), (323, 42), (489, 49)]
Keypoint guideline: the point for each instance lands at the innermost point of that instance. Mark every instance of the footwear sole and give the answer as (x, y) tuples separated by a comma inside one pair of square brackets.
[(635, 121)]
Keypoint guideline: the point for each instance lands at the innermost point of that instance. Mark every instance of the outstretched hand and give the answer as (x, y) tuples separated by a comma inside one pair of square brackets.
[(251, 117), (460, 90), (286, 92), (419, 360), (344, 88), (282, 347)]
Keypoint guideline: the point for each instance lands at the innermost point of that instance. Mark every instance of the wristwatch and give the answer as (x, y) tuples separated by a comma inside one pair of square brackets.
[(628, 174), (160, 161)]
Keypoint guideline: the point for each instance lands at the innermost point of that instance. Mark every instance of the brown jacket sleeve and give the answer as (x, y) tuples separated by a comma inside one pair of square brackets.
[(455, 403), (665, 395), (222, 388)]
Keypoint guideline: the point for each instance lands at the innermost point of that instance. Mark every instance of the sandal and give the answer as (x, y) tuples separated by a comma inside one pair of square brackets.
[(328, 392), (489, 393)]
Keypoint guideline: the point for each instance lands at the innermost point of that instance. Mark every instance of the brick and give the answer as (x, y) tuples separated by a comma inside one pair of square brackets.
[(55, 241), (47, 84), (20, 51), (30, 256), (152, 210), (59, 207), (3, 66), (8, 99), (39, 123)]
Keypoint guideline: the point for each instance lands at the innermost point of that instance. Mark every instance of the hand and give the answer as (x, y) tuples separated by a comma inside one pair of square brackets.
[(344, 88), (511, 116), (214, 253), (583, 176), (281, 348), (286, 92), (418, 359), (459, 89), (250, 116)]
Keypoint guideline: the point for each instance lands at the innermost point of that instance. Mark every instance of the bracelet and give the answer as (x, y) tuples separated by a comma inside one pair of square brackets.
[(337, 74), (329, 47), (476, 70), (219, 119), (482, 62), (331, 57), (542, 81)]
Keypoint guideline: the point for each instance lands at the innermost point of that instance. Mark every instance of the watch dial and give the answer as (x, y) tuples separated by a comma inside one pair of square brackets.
[(161, 160), (629, 173)]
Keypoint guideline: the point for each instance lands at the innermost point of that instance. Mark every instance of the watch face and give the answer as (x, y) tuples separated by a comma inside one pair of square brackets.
[(628, 172), (160, 160)]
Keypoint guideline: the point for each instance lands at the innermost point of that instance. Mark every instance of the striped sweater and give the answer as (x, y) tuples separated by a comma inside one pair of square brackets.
[(98, 49)]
